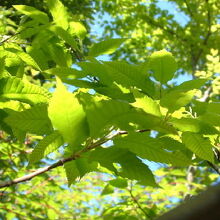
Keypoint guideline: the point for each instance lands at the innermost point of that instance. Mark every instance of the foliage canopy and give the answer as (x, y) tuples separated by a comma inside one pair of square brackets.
[(66, 113)]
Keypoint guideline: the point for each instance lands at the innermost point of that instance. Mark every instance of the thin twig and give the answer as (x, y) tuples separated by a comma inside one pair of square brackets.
[(137, 202)]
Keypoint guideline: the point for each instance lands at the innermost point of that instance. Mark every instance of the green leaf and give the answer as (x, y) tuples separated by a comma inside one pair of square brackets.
[(193, 125), (78, 168), (13, 88), (24, 57), (198, 145), (214, 107), (104, 114), (115, 92), (146, 103), (59, 13), (119, 183), (191, 84), (211, 118), (101, 114), (64, 35), (151, 149), (131, 166), (171, 144), (76, 28), (98, 70), (176, 99), (68, 116), (108, 189), (106, 47), (33, 13), (47, 145), (34, 120), (129, 75), (2, 66), (66, 72), (39, 56), (3, 125), (57, 54), (163, 65)]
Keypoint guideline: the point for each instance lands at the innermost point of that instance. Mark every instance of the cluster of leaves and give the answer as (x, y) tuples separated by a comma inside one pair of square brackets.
[(189, 28), (130, 105)]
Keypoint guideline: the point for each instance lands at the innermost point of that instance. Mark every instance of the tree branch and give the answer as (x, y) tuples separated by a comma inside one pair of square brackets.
[(65, 160), (46, 169)]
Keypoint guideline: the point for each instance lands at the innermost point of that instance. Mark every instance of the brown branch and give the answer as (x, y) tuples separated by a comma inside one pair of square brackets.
[(65, 160), (46, 169)]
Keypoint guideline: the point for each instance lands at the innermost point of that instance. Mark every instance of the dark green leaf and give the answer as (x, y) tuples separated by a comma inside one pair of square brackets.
[(131, 166), (47, 145)]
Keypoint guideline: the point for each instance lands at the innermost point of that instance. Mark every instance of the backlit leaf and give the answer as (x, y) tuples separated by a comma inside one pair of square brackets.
[(198, 145), (163, 65), (59, 13), (13, 88), (106, 47), (68, 116), (78, 168), (176, 99)]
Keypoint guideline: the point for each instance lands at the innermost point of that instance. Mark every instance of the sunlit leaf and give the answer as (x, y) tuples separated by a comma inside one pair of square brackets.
[(68, 116), (58, 12), (198, 145), (106, 47), (33, 13), (13, 88), (163, 65)]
